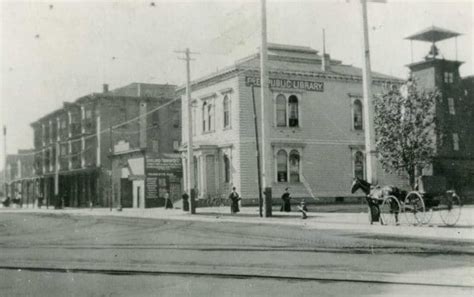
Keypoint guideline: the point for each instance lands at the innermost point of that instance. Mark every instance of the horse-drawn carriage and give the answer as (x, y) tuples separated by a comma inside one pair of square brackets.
[(387, 203)]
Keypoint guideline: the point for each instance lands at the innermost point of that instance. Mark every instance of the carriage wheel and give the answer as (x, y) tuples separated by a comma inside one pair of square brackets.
[(450, 209), (389, 211), (414, 209)]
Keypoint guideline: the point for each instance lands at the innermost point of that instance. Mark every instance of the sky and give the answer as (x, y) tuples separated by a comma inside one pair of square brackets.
[(56, 51)]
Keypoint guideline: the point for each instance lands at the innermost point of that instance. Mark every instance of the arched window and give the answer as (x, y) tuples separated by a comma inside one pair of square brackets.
[(357, 113), (226, 112), (282, 166), (204, 116), (226, 169), (293, 115), (281, 111), (294, 166), (209, 117), (359, 165)]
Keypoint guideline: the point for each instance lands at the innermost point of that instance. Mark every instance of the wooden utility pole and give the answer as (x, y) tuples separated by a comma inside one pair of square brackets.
[(5, 161), (56, 172), (190, 154), (369, 129), (259, 180), (111, 151), (264, 85)]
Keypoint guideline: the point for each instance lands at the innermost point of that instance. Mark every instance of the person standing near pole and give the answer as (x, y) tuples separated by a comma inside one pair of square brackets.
[(286, 206), (168, 202), (234, 198), (185, 197)]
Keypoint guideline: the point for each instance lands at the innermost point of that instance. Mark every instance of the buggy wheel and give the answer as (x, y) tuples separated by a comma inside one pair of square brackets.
[(389, 211), (450, 209), (414, 208), (428, 216)]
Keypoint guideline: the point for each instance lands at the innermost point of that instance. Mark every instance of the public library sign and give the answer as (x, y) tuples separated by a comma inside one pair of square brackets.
[(305, 85)]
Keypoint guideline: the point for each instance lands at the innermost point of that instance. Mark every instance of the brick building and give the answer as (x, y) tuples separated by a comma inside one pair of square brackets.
[(315, 118), (78, 142), (20, 178), (455, 112)]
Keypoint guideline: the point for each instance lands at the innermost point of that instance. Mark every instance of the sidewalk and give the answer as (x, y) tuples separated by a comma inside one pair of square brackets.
[(353, 222)]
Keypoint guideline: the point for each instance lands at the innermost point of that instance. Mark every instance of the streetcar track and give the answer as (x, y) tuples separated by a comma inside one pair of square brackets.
[(292, 249), (225, 275)]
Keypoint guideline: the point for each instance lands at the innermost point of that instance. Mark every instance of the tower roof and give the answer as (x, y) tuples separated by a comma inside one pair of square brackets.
[(433, 34)]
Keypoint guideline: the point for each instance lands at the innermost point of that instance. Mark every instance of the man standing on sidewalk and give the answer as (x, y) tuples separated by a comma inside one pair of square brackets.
[(286, 206), (234, 205)]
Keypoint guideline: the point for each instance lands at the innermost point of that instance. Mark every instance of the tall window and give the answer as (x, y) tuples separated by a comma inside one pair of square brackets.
[(195, 121), (451, 106), (226, 169), (448, 77), (204, 116), (281, 110), (293, 108), (294, 166), (455, 141), (357, 114), (226, 112), (209, 117), (359, 165), (282, 166)]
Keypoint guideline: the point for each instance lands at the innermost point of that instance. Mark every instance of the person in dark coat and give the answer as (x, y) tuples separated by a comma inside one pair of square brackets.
[(185, 201), (234, 205), (286, 206), (168, 202)]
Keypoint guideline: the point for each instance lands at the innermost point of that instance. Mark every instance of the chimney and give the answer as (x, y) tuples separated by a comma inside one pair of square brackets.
[(105, 88), (323, 60)]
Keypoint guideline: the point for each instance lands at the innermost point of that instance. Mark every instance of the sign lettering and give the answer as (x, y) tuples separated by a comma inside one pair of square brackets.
[(306, 85)]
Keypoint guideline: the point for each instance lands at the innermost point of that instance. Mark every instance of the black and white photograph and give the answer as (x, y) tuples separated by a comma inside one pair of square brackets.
[(236, 148)]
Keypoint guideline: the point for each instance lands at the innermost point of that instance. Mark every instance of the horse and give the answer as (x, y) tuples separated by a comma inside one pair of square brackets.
[(375, 196)]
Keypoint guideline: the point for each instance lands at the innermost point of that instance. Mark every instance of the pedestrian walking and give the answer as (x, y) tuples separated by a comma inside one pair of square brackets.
[(168, 202), (185, 201), (234, 198), (286, 205)]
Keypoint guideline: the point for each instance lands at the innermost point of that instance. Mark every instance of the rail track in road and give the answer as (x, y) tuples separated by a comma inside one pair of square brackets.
[(128, 272)]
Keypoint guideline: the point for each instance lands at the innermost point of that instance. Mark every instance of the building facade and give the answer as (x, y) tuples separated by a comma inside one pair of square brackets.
[(455, 113), (76, 142), (21, 183), (314, 115)]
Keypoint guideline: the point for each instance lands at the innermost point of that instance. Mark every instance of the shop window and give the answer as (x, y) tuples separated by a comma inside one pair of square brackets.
[(294, 166), (293, 111), (226, 107), (176, 120), (357, 115), (359, 165), (226, 169), (282, 166), (451, 106), (455, 142), (281, 110)]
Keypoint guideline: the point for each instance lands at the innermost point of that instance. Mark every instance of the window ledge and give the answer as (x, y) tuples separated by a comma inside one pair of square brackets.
[(227, 128)]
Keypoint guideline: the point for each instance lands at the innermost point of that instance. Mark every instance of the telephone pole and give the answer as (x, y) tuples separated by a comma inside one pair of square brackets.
[(56, 172), (264, 85), (190, 154), (369, 129), (5, 161)]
